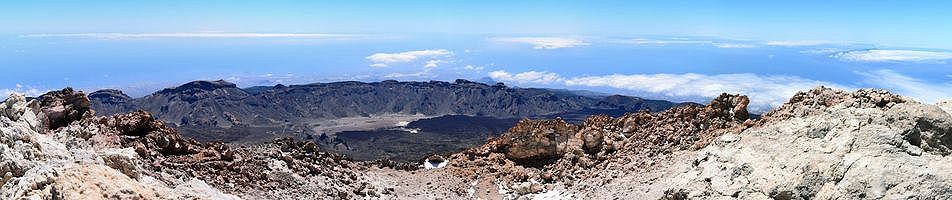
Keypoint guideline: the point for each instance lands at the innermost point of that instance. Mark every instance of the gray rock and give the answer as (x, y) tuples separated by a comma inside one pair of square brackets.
[(861, 148), (61, 164), (124, 160)]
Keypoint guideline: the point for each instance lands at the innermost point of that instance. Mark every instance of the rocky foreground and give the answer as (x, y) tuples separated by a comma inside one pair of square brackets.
[(822, 144)]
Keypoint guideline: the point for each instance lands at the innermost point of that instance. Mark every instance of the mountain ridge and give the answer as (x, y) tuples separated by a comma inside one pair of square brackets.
[(222, 105)]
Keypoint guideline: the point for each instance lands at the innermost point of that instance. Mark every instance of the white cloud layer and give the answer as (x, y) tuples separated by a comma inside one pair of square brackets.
[(893, 56), (734, 46), (908, 86), (664, 42), (120, 36), (420, 74), (765, 91), (385, 59), (797, 43), (544, 42), (687, 41), (474, 68), (822, 51), (530, 77), (28, 91), (433, 63)]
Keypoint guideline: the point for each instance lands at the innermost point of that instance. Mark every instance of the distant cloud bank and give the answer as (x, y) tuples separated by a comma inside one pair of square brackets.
[(567, 42), (20, 89), (533, 77), (386, 59), (664, 42), (905, 85), (893, 56), (765, 91), (120, 36), (798, 43), (734, 46), (544, 42)]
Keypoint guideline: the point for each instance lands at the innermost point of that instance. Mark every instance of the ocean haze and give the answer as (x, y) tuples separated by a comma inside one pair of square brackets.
[(140, 64)]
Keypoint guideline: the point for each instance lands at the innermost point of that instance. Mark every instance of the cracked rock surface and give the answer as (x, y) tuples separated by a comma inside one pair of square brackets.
[(829, 144), (46, 152)]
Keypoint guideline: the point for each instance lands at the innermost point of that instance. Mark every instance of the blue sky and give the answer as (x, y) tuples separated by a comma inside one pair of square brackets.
[(688, 50)]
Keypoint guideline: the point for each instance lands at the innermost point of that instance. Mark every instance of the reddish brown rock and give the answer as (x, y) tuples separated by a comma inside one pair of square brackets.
[(730, 107), (63, 107), (556, 150), (530, 142), (149, 136), (812, 102)]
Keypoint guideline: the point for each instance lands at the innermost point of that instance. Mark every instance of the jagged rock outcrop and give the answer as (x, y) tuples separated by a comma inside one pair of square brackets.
[(55, 158), (687, 127), (730, 107), (822, 144), (540, 154), (150, 137), (945, 105), (530, 142), (59, 108), (135, 156), (830, 144)]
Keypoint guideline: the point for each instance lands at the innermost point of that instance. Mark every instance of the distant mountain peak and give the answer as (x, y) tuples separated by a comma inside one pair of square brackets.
[(109, 92), (196, 86), (464, 81), (109, 95), (622, 98)]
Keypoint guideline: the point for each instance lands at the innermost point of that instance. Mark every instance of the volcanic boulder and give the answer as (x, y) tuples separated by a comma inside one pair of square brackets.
[(536, 142), (62, 107)]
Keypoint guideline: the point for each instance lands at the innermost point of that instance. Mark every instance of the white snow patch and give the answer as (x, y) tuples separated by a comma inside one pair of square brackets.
[(501, 188), (551, 194), (471, 191), (402, 123), (434, 165)]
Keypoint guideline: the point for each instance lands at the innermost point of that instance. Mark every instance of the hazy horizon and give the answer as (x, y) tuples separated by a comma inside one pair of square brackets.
[(689, 51)]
